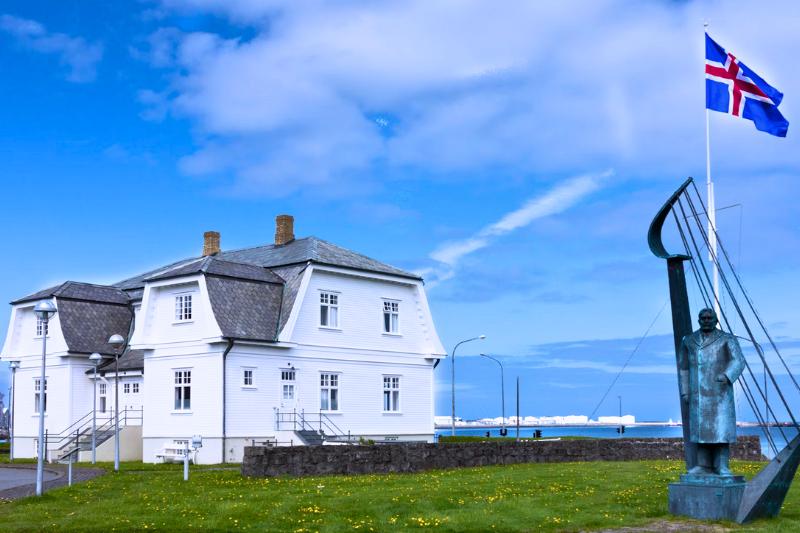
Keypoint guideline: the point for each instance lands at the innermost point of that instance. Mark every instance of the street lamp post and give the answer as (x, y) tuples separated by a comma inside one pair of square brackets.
[(95, 358), (14, 365), (620, 416), (503, 430), (44, 311), (453, 379), (116, 342)]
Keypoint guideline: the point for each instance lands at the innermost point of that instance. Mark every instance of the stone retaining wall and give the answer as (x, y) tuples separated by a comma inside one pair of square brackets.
[(413, 457)]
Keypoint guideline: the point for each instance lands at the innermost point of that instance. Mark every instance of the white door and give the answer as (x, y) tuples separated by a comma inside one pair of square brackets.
[(288, 389)]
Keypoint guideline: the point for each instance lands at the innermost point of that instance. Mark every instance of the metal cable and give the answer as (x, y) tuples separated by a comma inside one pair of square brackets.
[(724, 279), (722, 312), (747, 297)]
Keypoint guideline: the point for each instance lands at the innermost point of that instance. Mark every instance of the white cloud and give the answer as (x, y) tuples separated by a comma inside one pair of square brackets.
[(604, 367), (80, 56), (556, 200), (467, 87)]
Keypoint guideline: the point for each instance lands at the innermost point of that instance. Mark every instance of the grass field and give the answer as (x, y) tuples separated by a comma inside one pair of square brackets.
[(531, 497)]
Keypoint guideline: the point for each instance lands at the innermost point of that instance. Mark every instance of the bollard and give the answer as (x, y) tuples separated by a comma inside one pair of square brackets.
[(186, 462)]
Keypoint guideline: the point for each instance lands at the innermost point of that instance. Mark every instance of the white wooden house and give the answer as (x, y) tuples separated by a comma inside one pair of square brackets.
[(300, 342)]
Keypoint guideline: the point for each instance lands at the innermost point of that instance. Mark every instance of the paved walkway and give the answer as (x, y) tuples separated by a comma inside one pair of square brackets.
[(19, 480)]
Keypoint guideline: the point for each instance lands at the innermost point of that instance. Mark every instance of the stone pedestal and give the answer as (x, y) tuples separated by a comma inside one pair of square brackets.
[(707, 497)]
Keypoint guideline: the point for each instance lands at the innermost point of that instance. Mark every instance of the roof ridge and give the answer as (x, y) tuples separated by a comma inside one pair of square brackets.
[(273, 245)]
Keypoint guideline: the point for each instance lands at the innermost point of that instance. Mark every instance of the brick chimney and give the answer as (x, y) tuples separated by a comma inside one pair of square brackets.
[(210, 243), (284, 229)]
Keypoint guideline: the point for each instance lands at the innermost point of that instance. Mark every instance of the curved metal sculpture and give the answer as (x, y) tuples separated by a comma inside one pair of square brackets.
[(707, 497)]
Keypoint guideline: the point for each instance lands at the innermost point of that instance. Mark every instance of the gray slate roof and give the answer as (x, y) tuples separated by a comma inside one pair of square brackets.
[(88, 325), (79, 291), (130, 360), (246, 309), (311, 249), (252, 292), (218, 267)]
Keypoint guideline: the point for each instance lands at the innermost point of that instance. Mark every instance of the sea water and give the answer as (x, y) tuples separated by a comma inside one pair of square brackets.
[(610, 432)]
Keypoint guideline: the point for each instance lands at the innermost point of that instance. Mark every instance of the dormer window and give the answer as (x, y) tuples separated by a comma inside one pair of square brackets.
[(329, 310), (183, 308), (42, 327)]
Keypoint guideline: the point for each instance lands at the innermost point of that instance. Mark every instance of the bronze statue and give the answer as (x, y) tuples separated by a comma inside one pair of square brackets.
[(710, 361)]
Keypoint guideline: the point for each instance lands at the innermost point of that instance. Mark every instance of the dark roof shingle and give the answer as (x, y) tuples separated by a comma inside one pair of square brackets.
[(311, 249), (246, 309), (88, 325), (79, 291)]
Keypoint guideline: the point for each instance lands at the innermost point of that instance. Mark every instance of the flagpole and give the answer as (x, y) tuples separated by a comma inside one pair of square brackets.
[(712, 214)]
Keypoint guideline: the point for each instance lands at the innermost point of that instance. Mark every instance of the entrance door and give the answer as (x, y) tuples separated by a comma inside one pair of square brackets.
[(288, 389)]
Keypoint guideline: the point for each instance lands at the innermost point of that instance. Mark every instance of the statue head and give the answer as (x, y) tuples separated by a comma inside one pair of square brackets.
[(707, 319)]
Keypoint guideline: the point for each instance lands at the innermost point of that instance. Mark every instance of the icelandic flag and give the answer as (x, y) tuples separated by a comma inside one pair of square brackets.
[(733, 88)]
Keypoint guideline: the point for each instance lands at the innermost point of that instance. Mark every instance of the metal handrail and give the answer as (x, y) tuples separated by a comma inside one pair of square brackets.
[(107, 423), (317, 422)]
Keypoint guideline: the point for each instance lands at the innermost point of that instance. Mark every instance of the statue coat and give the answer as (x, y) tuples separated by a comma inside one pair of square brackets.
[(712, 411)]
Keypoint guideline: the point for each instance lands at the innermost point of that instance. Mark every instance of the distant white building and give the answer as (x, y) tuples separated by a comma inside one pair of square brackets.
[(616, 420), (298, 341)]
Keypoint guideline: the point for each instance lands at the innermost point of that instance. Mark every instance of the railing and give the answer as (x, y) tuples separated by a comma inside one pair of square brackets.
[(319, 423), (77, 433)]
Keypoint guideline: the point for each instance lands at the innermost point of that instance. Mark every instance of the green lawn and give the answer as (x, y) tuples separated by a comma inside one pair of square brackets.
[(555, 497)]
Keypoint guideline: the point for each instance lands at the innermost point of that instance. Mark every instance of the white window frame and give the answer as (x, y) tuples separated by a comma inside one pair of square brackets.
[(182, 383), (391, 394), (126, 388), (36, 395), (42, 326), (288, 384), (330, 401), (391, 311), (135, 388), (248, 372), (329, 316), (103, 397), (184, 308)]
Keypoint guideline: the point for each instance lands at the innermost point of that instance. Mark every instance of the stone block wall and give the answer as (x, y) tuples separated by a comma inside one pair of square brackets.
[(414, 457)]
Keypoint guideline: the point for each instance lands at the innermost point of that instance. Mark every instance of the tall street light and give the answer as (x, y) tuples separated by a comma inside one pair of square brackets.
[(95, 358), (453, 379), (44, 311), (14, 365), (116, 342), (503, 430)]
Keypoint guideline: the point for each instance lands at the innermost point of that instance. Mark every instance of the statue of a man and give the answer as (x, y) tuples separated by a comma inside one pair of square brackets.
[(710, 361)]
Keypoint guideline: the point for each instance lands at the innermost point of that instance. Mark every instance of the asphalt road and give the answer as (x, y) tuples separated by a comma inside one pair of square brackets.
[(15, 477)]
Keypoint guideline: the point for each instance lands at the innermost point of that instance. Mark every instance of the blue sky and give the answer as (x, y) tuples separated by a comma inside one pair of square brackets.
[(512, 153)]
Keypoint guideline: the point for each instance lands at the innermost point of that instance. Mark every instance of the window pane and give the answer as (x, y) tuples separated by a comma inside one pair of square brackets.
[(323, 315), (334, 312), (385, 400), (386, 323), (395, 329), (177, 398), (395, 400), (187, 397), (324, 400), (334, 399)]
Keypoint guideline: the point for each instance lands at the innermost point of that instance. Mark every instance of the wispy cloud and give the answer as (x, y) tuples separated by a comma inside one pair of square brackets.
[(574, 364), (78, 55), (556, 200)]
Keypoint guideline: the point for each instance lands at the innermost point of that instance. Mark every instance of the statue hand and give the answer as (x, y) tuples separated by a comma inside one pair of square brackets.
[(722, 378)]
